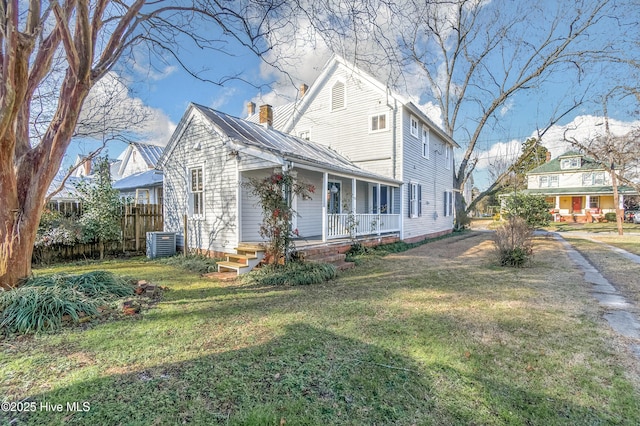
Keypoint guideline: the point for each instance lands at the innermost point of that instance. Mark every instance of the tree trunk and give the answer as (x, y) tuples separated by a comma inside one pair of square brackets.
[(16, 246)]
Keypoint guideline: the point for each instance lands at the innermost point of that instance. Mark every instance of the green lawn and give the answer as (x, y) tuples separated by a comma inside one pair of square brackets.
[(435, 335)]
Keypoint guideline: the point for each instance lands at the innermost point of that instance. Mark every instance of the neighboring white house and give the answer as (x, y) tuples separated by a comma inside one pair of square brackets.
[(136, 177), (382, 132)]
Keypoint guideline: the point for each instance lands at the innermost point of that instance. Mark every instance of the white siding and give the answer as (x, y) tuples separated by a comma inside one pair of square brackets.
[(310, 211), (566, 180), (347, 130), (217, 230), (251, 210), (434, 178)]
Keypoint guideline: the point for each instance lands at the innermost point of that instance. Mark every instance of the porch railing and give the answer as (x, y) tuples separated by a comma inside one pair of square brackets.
[(348, 224)]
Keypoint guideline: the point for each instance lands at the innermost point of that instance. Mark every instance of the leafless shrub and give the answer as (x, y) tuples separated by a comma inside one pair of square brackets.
[(514, 242)]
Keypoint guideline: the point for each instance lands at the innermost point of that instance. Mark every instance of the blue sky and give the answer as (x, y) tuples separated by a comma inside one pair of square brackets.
[(167, 91)]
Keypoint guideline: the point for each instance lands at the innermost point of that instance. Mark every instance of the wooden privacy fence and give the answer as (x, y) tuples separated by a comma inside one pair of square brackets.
[(136, 221)]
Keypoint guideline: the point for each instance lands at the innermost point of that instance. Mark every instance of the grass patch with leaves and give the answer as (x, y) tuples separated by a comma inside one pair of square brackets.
[(433, 335), (598, 227), (193, 263)]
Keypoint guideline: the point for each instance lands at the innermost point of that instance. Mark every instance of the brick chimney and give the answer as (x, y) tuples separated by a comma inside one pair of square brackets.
[(251, 109), (87, 167), (548, 156), (303, 90), (266, 115)]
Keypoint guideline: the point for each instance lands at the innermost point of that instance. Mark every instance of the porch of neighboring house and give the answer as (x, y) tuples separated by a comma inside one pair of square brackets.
[(582, 208), (341, 207)]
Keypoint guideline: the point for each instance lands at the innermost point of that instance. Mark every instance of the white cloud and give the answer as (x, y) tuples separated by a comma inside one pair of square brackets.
[(111, 110), (506, 107), (499, 155), (583, 128)]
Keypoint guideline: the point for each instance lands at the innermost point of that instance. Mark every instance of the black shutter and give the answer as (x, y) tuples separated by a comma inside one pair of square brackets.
[(446, 203), (409, 197), (419, 200)]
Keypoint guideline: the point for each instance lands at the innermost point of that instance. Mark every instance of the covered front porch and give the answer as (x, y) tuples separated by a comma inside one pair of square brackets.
[(582, 208), (342, 206)]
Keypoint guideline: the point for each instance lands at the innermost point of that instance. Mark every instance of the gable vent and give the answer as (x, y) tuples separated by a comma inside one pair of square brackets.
[(337, 96)]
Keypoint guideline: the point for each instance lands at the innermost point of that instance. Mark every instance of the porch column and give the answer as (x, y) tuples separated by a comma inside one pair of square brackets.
[(558, 203), (587, 202), (353, 206), (325, 185), (378, 208), (621, 204)]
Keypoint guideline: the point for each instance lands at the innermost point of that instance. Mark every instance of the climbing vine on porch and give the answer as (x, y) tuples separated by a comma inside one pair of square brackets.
[(276, 193)]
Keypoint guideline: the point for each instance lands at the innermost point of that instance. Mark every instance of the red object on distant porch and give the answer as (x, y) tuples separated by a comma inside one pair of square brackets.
[(576, 204)]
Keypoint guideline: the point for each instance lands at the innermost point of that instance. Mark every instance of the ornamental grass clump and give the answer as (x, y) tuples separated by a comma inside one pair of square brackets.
[(30, 309), (291, 273), (41, 303), (514, 242)]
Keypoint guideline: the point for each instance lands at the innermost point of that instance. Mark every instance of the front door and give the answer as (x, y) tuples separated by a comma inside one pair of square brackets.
[(384, 199), (576, 204), (334, 197)]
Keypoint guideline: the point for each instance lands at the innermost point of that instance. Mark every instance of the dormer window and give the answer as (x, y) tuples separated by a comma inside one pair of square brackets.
[(338, 96), (570, 163)]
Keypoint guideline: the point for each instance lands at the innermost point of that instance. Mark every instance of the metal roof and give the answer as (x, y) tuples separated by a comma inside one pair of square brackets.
[(281, 115), (283, 144), (140, 180), (149, 153)]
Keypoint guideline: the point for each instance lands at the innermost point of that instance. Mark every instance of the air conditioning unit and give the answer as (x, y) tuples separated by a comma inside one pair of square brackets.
[(161, 244)]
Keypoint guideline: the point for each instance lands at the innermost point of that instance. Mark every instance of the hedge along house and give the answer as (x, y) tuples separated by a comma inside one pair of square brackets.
[(211, 154), (576, 187)]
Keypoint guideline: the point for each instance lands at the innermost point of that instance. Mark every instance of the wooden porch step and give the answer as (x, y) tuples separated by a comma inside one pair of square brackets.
[(244, 257), (241, 268), (250, 248)]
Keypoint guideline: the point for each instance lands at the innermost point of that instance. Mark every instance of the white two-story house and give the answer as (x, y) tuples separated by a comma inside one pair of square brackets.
[(382, 132), (576, 187), (380, 167)]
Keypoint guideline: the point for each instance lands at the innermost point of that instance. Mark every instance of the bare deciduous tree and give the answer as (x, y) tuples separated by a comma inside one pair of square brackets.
[(65, 47), (471, 58)]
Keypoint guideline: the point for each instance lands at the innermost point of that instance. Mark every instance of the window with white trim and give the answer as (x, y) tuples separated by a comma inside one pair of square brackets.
[(414, 127), (594, 202), (425, 142), (338, 96), (196, 192), (378, 123), (415, 200), (593, 178), (570, 163), (448, 203), (548, 181)]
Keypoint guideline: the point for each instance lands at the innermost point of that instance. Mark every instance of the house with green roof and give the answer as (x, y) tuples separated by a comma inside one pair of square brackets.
[(578, 187)]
